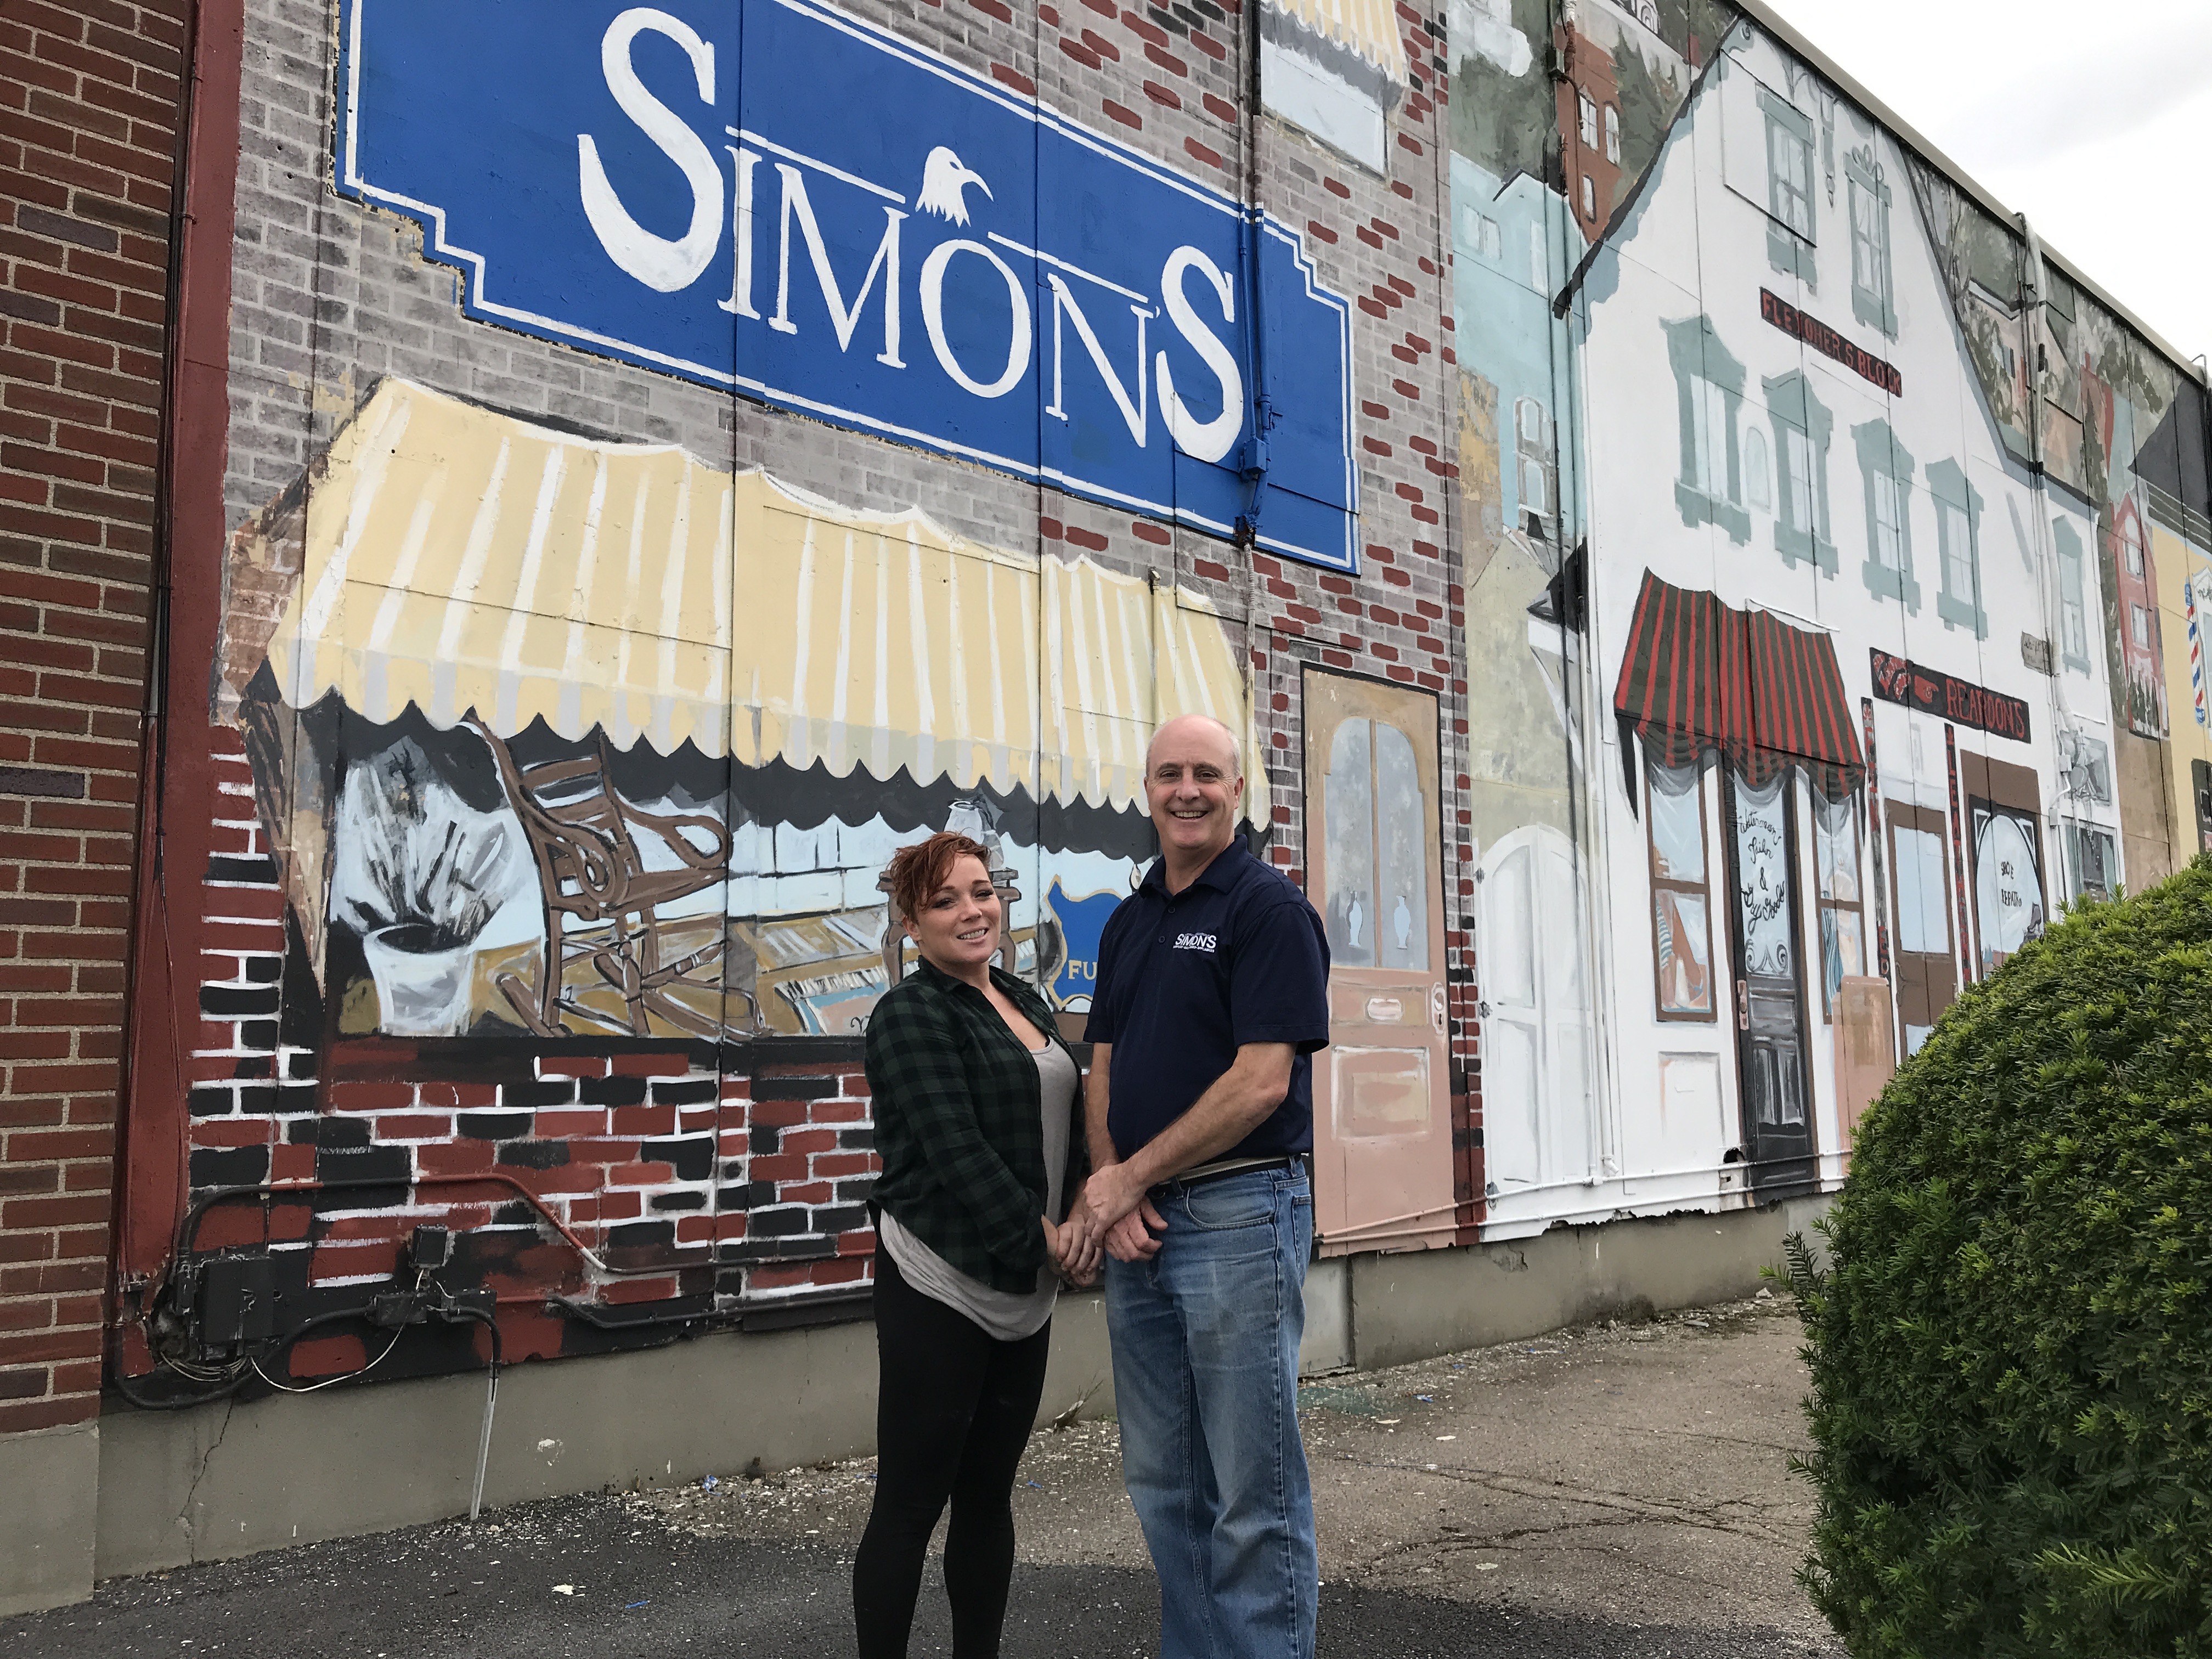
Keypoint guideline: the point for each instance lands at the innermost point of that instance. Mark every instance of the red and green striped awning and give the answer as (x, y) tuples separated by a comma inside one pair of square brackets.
[(1701, 678)]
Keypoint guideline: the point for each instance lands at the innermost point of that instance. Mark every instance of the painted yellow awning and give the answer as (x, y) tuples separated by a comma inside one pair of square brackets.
[(458, 560), (1368, 28)]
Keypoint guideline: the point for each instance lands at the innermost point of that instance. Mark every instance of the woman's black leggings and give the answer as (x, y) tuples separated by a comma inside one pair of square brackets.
[(953, 1413)]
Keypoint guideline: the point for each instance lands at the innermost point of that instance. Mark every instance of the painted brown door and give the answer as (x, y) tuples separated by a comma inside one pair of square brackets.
[(1770, 984), (2004, 841), (1920, 899), (1383, 1160)]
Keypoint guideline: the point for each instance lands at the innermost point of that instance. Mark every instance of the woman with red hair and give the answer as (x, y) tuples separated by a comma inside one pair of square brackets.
[(973, 1093)]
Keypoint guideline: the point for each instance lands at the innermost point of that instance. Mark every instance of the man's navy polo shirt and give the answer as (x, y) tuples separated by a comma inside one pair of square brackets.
[(1185, 978)]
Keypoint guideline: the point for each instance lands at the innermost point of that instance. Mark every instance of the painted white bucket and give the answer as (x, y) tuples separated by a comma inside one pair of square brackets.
[(421, 992)]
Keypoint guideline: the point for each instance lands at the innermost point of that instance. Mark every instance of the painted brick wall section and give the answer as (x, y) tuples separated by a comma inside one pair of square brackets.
[(89, 102)]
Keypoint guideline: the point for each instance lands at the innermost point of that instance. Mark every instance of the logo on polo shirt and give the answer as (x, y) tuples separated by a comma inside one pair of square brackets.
[(1195, 942)]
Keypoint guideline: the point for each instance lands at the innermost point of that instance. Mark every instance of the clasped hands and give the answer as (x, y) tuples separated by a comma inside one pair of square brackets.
[(1110, 1214)]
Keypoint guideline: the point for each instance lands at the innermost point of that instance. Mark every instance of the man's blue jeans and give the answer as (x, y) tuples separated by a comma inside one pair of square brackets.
[(1206, 1373)]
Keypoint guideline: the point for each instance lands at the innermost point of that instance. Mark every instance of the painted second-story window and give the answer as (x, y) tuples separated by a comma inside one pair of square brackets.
[(2073, 597), (1589, 122), (1613, 135), (1709, 384), (1758, 471), (1873, 290), (1537, 467), (1887, 470), (1789, 185), (1958, 548), (2139, 626), (1802, 427), (1590, 198)]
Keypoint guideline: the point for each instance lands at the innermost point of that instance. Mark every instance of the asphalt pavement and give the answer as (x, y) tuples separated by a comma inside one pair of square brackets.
[(1620, 1491)]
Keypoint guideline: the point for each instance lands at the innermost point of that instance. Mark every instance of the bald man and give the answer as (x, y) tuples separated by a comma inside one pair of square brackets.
[(1211, 995)]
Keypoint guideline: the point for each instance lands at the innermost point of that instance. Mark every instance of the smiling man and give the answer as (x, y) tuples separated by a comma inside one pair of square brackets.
[(1211, 995)]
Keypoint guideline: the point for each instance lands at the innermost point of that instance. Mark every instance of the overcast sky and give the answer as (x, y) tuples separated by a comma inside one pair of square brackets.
[(2094, 120)]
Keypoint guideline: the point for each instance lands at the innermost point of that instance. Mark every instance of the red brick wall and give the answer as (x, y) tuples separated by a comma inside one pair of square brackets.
[(89, 100)]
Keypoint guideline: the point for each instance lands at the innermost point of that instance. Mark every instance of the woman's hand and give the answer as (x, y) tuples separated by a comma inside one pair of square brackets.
[(1073, 1251)]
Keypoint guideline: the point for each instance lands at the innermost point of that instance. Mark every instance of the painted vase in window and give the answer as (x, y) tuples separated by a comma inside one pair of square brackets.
[(433, 884), (422, 979)]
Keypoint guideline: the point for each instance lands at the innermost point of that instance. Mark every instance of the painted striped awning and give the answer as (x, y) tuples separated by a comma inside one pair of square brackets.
[(460, 560), (1368, 28), (1700, 677)]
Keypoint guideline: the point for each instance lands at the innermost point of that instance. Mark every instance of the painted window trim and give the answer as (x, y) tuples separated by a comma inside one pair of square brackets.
[(1791, 406), (2074, 573), (1875, 308), (1789, 250), (1881, 455), (1695, 352), (1703, 890), (1948, 485)]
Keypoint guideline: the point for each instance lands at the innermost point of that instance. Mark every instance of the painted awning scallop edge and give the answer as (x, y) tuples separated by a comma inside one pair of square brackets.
[(459, 560)]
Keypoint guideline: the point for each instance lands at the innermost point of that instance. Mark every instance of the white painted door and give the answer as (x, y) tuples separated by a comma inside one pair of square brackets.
[(1536, 1031)]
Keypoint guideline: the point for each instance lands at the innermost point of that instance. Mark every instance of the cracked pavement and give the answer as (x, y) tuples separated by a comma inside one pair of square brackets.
[(1621, 1490)]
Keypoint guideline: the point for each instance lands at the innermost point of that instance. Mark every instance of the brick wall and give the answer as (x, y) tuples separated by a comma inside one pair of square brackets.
[(90, 97)]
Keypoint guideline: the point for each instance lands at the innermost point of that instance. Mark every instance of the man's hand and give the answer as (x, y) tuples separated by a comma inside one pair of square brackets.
[(1130, 1239), (1111, 1192), (1118, 1213)]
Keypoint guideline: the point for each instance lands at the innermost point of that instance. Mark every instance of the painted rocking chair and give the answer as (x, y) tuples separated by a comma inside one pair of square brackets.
[(603, 906)]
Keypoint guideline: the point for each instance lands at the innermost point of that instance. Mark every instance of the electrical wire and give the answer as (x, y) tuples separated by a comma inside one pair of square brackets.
[(347, 1377)]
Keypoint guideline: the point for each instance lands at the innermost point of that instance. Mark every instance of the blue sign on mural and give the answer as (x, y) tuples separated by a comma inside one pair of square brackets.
[(769, 195), (1082, 925)]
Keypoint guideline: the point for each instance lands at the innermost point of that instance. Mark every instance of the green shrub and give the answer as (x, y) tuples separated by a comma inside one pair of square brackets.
[(2011, 1343)]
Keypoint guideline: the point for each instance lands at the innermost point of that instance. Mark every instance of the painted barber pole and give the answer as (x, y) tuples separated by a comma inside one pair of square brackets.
[(2197, 596)]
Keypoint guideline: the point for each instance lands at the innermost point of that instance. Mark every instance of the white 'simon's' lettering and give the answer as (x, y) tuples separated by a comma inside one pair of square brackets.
[(1209, 440), (740, 302), (663, 263), (932, 317), (797, 206), (1133, 414)]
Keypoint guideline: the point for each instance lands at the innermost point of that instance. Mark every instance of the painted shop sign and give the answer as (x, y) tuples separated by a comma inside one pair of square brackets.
[(1961, 701), (769, 195), (1829, 344)]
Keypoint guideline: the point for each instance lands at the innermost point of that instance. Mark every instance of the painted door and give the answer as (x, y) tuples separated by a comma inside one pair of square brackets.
[(1382, 1150), (1537, 1133), (1770, 984), (1927, 976), (2004, 839)]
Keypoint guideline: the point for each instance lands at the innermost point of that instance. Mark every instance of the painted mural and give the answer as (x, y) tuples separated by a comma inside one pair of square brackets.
[(1680, 641), (1748, 454)]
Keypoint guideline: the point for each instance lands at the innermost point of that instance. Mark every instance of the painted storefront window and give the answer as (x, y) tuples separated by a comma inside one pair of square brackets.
[(1681, 928), (568, 736), (1836, 868)]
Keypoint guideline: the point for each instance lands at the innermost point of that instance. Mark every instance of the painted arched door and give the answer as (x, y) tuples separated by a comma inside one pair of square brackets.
[(1382, 1150)]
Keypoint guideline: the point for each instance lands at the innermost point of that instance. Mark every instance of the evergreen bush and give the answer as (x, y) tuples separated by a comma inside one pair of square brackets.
[(2011, 1341)]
